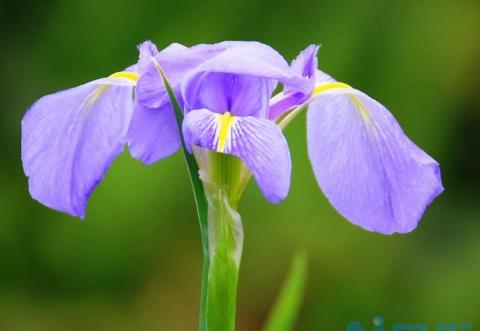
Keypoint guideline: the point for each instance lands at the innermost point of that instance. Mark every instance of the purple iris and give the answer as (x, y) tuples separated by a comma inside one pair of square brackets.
[(366, 166)]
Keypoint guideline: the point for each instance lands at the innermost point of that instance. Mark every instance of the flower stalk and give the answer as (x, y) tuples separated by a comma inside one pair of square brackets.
[(224, 178)]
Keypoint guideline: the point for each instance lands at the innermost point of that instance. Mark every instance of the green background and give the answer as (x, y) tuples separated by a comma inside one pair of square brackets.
[(135, 263)]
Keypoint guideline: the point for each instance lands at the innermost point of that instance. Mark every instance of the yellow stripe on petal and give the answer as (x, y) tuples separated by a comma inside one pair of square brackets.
[(329, 86), (225, 123), (361, 108), (96, 94), (125, 75), (338, 85)]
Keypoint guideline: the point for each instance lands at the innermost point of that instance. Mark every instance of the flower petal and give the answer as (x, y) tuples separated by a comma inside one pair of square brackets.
[(153, 133), (367, 167), (146, 50), (305, 65), (239, 94), (176, 61), (240, 62), (259, 143), (70, 138)]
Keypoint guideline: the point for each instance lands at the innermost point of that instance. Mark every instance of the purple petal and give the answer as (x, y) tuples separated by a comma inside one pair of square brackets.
[(259, 143), (283, 102), (322, 78), (239, 94), (146, 50), (153, 133), (70, 138), (241, 63), (367, 167), (305, 64), (176, 61)]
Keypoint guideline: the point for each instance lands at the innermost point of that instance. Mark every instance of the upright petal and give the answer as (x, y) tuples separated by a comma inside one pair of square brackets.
[(146, 51), (305, 65), (259, 143), (176, 61), (367, 167), (70, 138), (239, 94), (240, 63)]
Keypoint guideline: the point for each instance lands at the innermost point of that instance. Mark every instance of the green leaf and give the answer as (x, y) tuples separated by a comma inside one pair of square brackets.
[(200, 199), (285, 311)]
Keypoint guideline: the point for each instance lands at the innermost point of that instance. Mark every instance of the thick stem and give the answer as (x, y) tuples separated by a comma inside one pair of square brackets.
[(224, 178), (226, 240)]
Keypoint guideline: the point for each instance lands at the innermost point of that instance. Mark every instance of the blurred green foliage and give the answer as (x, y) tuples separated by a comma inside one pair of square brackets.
[(135, 263)]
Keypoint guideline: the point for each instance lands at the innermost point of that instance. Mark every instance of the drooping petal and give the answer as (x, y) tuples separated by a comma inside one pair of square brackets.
[(367, 167), (257, 142), (70, 138), (153, 133)]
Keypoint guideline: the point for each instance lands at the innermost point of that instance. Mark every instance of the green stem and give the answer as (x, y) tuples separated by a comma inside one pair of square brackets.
[(224, 179), (200, 199), (226, 241)]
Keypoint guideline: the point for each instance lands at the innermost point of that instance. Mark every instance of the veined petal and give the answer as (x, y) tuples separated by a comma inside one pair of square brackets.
[(153, 133), (70, 138), (259, 143), (367, 167)]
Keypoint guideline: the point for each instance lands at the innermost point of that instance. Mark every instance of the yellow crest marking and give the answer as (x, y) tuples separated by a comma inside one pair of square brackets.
[(125, 75), (225, 122), (329, 86), (355, 100)]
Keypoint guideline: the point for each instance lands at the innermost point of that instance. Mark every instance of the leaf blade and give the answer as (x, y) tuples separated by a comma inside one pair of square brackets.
[(285, 311)]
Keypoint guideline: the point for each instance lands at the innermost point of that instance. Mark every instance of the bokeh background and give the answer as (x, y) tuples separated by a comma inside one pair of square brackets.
[(135, 263)]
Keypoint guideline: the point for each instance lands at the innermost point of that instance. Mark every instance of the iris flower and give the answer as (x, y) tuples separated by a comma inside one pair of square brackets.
[(366, 166)]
